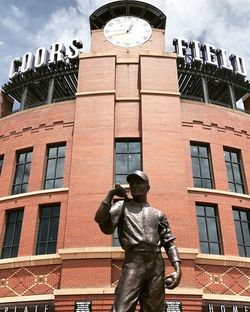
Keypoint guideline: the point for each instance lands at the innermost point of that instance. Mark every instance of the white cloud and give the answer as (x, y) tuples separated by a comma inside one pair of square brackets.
[(16, 11)]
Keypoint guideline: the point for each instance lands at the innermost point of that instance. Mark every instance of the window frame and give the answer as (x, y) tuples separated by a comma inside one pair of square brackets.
[(41, 226), (241, 170), (209, 159), (205, 231), (242, 246), (19, 213), (128, 153), (54, 179), (18, 165)]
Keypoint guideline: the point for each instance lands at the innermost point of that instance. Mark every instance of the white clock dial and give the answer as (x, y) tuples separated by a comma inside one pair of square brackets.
[(127, 31)]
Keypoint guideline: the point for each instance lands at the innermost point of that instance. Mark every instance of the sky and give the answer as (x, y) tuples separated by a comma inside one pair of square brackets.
[(29, 24)]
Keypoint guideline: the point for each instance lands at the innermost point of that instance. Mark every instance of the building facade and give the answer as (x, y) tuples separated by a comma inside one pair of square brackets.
[(83, 124)]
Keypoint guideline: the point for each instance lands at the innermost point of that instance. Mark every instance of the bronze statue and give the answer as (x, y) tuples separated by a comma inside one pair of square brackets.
[(142, 231)]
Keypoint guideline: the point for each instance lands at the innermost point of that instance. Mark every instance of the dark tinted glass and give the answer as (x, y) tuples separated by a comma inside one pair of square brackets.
[(55, 167), (48, 229), (208, 229), (23, 166), (201, 166), (12, 234)]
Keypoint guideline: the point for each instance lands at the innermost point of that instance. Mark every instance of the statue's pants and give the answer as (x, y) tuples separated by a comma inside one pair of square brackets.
[(142, 280)]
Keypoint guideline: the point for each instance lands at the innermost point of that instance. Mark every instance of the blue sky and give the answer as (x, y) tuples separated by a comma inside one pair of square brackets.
[(26, 25)]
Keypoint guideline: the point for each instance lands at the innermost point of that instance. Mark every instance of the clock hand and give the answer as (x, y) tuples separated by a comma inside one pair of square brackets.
[(130, 27)]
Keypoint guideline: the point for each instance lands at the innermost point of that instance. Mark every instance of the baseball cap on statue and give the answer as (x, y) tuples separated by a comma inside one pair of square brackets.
[(137, 173)]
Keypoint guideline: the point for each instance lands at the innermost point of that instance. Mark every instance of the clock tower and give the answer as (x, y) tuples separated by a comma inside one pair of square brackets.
[(127, 27)]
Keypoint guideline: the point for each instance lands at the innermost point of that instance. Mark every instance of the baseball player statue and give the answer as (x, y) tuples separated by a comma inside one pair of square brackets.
[(142, 231)]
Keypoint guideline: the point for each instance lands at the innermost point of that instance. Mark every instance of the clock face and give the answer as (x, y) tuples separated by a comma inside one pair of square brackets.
[(127, 31)]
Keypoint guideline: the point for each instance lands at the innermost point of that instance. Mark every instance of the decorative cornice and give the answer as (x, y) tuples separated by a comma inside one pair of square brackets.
[(35, 298), (28, 194), (44, 126), (29, 261), (211, 126), (217, 192), (160, 92), (95, 92), (111, 290)]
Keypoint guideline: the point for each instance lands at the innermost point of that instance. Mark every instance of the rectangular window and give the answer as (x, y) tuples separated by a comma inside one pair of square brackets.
[(23, 163), (234, 171), (1, 163), (55, 166), (242, 226), (127, 159), (208, 229), (201, 165), (12, 234), (48, 229)]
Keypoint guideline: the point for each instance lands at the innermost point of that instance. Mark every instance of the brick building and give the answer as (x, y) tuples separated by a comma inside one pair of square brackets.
[(84, 122)]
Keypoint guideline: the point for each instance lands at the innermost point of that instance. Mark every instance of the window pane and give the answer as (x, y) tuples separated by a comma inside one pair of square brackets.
[(203, 151), (242, 251), (194, 150), (234, 157), (58, 183), (21, 158), (210, 211), (239, 232), (134, 162), (207, 183), (197, 182), (239, 188), (229, 172), (9, 234), (214, 249), (51, 248), (204, 247), (28, 156), (16, 189), (227, 156), (26, 173), (14, 251), (50, 173), (49, 184), (202, 229), (236, 214), (55, 211), (46, 212), (135, 147), (243, 215), (41, 249), (121, 179), (121, 164), (16, 237), (196, 167), (52, 152), (60, 168), (237, 176), (43, 230), (246, 234), (6, 252), (212, 230), (19, 174), (200, 210), (121, 147), (205, 170), (232, 187), (61, 151), (247, 251), (24, 188), (53, 229)]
